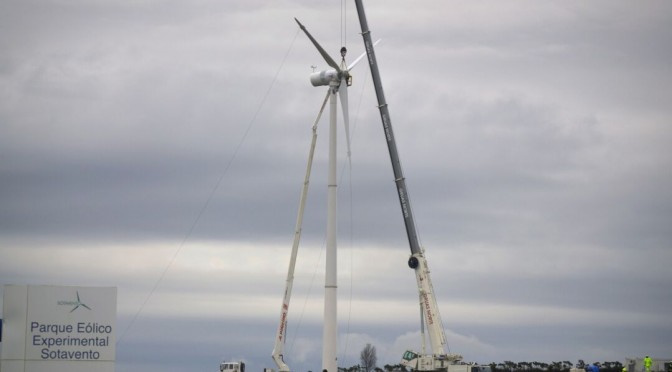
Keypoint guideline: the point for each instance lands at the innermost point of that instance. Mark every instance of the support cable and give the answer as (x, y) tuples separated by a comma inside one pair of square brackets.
[(210, 196), (354, 129)]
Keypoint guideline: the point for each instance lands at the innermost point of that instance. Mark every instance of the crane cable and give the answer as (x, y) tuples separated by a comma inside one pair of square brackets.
[(344, 40), (210, 196), (351, 219)]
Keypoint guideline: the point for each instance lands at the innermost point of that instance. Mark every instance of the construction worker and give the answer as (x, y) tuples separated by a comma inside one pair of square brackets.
[(592, 368), (647, 363)]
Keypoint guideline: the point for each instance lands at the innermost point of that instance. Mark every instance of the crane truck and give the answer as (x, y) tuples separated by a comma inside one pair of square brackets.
[(438, 359)]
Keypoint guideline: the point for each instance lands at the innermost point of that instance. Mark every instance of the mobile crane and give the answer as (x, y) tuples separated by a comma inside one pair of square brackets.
[(438, 359)]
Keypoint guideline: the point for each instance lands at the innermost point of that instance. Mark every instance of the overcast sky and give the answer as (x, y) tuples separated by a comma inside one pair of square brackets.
[(160, 147)]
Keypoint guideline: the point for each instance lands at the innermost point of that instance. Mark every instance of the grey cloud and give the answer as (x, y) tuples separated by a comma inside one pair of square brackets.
[(534, 138)]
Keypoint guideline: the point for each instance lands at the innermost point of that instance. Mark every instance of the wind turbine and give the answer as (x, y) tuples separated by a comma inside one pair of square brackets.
[(337, 79)]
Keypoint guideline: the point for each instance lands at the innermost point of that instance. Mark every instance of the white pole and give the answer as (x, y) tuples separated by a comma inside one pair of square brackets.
[(330, 285)]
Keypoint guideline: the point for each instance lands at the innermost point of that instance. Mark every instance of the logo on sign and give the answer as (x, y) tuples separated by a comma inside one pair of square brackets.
[(77, 304)]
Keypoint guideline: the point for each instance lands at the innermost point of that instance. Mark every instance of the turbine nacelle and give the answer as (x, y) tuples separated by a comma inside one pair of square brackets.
[(326, 77)]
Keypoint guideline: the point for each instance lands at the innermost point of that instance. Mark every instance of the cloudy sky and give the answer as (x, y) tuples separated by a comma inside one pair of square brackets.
[(160, 147)]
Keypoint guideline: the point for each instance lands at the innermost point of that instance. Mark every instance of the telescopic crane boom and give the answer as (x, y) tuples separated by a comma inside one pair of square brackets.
[(438, 359)]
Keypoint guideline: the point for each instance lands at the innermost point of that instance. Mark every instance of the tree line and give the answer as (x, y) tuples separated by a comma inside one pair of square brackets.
[(509, 366), (564, 366), (368, 360)]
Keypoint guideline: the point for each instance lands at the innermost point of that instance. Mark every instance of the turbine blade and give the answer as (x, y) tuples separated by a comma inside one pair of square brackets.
[(343, 95), (361, 56), (323, 52)]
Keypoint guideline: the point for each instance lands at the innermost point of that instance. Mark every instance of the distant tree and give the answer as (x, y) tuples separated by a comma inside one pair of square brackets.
[(510, 366), (611, 367), (395, 367), (368, 357)]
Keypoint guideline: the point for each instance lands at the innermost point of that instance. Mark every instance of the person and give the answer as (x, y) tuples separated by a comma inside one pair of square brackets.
[(647, 363), (592, 368)]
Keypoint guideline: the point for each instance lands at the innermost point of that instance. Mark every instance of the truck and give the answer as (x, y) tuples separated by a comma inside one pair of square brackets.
[(232, 366), (430, 319)]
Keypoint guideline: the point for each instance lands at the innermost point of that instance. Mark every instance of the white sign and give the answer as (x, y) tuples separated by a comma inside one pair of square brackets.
[(68, 327)]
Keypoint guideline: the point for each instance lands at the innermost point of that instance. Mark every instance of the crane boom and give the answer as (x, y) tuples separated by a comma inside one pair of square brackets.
[(281, 334), (400, 181), (430, 311)]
